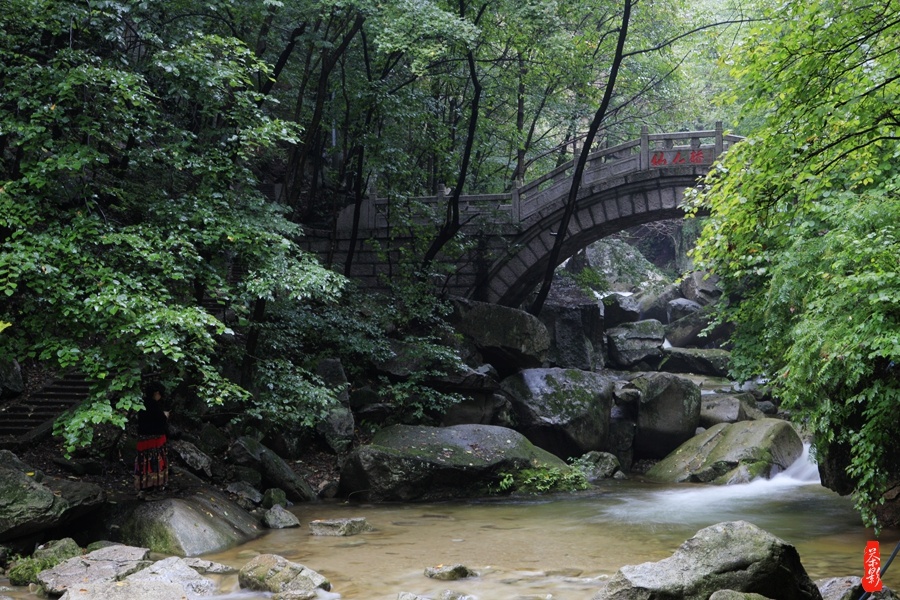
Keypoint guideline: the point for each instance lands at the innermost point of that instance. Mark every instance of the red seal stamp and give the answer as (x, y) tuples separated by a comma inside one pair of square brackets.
[(871, 580)]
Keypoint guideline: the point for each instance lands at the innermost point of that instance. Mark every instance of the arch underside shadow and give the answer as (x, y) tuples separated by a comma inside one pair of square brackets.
[(513, 276)]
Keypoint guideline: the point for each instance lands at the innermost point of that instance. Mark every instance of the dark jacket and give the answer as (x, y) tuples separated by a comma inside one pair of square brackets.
[(152, 420)]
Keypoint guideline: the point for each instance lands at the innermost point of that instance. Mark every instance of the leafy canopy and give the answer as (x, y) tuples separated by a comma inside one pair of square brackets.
[(803, 229)]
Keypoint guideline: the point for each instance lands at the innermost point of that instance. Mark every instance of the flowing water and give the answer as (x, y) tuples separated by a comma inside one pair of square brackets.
[(559, 547), (562, 547)]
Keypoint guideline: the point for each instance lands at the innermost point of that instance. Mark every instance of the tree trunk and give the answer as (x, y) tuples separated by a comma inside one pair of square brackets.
[(572, 199), (451, 222), (248, 365)]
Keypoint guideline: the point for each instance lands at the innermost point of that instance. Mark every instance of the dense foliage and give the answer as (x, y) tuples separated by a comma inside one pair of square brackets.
[(127, 199), (804, 231), (136, 137)]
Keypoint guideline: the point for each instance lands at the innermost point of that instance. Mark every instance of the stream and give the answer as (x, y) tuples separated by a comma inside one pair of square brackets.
[(562, 546), (558, 547)]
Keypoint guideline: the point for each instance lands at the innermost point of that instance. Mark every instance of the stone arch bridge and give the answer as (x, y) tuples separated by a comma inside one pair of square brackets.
[(626, 185)]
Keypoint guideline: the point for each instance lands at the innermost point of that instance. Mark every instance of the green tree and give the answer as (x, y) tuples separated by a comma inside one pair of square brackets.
[(127, 198), (804, 234)]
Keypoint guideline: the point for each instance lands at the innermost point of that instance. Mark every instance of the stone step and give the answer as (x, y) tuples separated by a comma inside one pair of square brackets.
[(32, 418)]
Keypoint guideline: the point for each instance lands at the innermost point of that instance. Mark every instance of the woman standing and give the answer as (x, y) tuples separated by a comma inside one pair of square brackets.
[(151, 467)]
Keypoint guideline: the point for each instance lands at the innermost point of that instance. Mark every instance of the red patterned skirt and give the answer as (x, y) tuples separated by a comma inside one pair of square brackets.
[(151, 467)]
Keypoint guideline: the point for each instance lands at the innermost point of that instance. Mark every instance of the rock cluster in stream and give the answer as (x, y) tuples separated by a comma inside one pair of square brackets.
[(593, 380), (727, 561)]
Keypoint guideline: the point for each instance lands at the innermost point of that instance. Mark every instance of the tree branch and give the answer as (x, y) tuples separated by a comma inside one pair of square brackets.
[(577, 176)]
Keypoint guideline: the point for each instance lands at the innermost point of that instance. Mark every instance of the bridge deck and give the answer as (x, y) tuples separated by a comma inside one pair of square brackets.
[(656, 151)]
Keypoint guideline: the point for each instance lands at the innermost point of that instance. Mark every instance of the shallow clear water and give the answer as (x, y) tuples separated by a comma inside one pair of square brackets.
[(562, 547), (559, 547)]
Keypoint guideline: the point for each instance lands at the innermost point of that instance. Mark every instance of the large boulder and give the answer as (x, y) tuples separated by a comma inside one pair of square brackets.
[(484, 409), (273, 573), (691, 331), (507, 338), (728, 408), (834, 460), (701, 287), (248, 452), (632, 343), (338, 426), (622, 265), (736, 556), (406, 462), (564, 411), (205, 521), (196, 460), (576, 333), (681, 307), (621, 437), (619, 309), (597, 466), (654, 303), (668, 413), (31, 502), (714, 362), (732, 453)]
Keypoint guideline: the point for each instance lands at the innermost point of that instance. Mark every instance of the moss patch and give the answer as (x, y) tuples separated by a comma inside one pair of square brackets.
[(25, 570)]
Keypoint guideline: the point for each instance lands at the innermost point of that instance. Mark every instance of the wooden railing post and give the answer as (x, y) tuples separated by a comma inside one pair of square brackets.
[(644, 163), (720, 139)]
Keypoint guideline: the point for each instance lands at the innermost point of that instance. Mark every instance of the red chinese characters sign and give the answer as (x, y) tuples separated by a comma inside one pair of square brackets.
[(871, 580), (663, 158)]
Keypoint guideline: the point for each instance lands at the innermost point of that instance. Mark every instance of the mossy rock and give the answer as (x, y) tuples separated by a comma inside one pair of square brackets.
[(203, 522), (429, 463), (732, 453), (58, 550), (25, 570)]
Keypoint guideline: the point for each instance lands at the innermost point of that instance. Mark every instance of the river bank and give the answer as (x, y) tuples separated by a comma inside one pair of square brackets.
[(554, 546)]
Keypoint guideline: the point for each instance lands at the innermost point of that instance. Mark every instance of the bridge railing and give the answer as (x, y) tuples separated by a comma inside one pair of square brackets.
[(651, 151)]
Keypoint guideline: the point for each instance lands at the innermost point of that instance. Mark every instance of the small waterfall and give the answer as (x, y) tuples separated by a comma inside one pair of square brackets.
[(689, 503), (803, 471)]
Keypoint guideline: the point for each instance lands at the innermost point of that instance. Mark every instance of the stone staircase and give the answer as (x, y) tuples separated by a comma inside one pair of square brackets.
[(28, 419)]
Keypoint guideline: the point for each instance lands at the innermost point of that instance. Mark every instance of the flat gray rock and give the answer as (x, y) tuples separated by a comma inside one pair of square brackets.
[(340, 527), (207, 566), (125, 590), (174, 570), (106, 564), (278, 517)]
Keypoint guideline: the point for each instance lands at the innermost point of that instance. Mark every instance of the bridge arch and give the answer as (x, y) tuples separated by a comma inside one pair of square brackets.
[(616, 205)]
